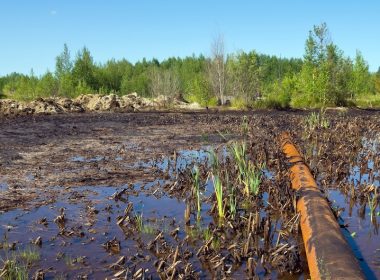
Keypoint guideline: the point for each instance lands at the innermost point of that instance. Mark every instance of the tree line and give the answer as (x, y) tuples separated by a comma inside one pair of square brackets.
[(323, 77)]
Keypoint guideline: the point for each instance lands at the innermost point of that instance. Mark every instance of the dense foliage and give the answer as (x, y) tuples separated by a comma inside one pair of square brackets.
[(324, 77)]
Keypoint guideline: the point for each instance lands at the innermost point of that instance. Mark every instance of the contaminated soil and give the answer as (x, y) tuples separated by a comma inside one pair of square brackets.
[(110, 194), (92, 103)]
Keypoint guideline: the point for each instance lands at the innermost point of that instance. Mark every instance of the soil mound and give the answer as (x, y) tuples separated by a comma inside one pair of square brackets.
[(90, 103)]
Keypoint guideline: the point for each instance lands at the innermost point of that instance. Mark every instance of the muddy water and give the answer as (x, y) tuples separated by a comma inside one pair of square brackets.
[(359, 227), (85, 231), (91, 213)]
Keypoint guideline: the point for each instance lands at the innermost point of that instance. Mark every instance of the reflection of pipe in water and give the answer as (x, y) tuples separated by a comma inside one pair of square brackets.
[(328, 254)]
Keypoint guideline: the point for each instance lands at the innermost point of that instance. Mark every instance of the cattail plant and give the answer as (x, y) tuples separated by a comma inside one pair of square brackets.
[(196, 190), (218, 188)]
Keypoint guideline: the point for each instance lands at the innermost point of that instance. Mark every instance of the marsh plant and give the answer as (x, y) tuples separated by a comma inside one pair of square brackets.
[(312, 121), (231, 196), (209, 235), (239, 154), (14, 270), (141, 226), (30, 255), (214, 161), (372, 204), (196, 190), (244, 126), (139, 222), (218, 188), (249, 174), (252, 179), (16, 264), (317, 120), (324, 122)]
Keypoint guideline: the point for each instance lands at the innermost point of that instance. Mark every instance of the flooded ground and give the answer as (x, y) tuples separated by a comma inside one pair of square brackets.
[(112, 195)]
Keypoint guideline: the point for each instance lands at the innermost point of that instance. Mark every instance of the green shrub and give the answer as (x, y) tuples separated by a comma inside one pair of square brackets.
[(198, 90), (273, 102), (239, 103), (278, 95), (83, 88), (368, 101)]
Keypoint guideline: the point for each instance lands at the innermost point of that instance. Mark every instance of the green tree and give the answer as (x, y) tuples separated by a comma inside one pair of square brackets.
[(63, 63), (244, 74), (47, 86), (22, 88), (63, 69), (313, 75), (191, 71), (82, 88), (338, 72), (110, 75), (136, 83), (377, 82), (361, 77), (199, 90), (84, 69), (323, 78), (3, 82), (137, 80)]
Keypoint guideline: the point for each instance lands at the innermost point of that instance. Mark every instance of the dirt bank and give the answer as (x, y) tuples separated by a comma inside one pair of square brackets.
[(90, 103)]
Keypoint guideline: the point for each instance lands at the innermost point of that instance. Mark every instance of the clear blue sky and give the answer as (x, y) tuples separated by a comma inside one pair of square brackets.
[(33, 32)]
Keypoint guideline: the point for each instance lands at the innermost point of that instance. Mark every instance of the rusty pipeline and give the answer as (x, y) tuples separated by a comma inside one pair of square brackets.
[(328, 253)]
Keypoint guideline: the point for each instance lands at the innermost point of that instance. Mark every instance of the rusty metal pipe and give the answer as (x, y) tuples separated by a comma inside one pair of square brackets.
[(328, 253)]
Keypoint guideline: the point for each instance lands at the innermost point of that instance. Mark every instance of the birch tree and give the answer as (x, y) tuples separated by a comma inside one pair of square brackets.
[(217, 69)]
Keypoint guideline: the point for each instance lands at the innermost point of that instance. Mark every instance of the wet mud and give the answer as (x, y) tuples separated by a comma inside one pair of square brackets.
[(110, 195)]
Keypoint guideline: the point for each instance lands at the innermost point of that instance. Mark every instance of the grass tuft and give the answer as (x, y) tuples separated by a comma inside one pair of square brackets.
[(30, 255), (316, 120)]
